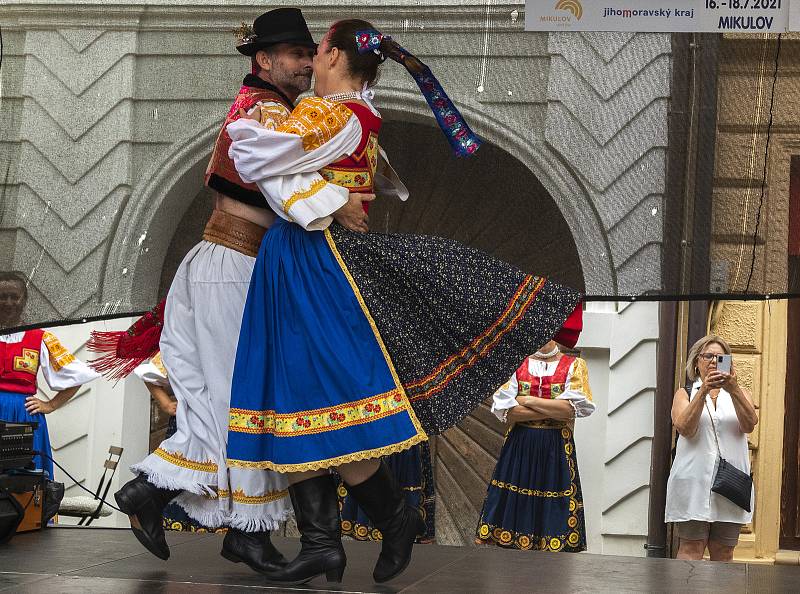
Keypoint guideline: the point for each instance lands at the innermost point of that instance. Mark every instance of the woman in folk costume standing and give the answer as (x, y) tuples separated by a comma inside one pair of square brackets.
[(534, 499), (353, 345), (22, 356)]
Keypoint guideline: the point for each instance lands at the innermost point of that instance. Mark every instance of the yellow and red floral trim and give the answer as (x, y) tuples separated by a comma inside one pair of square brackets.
[(353, 179), (316, 421)]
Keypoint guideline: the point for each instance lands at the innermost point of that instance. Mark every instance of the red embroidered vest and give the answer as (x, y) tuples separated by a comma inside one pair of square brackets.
[(221, 174), (550, 386), (357, 171), (19, 362)]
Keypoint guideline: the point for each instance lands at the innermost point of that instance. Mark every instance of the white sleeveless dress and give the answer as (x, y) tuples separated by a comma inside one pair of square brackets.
[(689, 495)]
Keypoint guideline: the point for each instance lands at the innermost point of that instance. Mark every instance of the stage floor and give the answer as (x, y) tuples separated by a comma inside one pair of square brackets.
[(105, 560)]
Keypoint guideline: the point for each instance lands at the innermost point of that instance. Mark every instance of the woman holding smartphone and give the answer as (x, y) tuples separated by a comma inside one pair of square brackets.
[(712, 409)]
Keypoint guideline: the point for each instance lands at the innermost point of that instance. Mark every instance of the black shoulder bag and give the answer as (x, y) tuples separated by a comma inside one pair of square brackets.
[(729, 481)]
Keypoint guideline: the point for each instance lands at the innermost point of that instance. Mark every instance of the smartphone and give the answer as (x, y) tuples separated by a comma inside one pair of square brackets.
[(724, 363)]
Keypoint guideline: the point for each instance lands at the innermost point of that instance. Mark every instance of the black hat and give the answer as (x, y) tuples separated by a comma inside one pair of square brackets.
[(282, 25)]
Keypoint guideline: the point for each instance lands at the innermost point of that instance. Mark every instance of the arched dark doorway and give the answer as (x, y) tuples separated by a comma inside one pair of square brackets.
[(187, 234), (490, 201)]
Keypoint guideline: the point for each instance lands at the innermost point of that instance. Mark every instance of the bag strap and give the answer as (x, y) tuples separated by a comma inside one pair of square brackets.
[(713, 428)]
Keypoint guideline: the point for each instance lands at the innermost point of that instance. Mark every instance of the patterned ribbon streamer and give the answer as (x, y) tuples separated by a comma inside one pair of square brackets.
[(463, 140)]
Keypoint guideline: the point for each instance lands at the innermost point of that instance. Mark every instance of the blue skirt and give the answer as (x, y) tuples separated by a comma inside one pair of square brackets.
[(356, 346), (312, 384), (413, 471), (12, 409), (534, 499)]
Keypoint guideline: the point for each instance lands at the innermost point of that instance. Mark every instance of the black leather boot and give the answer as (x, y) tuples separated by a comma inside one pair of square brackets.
[(382, 500), (144, 503), (253, 548), (316, 508)]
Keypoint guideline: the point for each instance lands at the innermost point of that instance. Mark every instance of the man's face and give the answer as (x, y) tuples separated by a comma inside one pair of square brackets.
[(290, 68), (12, 302)]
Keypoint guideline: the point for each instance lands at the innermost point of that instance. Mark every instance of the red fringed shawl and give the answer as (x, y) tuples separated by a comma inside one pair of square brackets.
[(124, 350)]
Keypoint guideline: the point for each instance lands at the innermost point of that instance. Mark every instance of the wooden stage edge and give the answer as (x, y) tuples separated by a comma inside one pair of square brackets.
[(67, 560)]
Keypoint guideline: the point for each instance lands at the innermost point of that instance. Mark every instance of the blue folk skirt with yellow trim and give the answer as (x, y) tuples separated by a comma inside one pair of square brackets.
[(355, 346), (534, 500)]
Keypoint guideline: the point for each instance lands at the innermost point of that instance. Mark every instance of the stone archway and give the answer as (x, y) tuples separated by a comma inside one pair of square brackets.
[(146, 228), (491, 201)]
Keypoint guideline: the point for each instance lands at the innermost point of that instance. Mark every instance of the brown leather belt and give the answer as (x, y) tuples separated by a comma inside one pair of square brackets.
[(235, 233)]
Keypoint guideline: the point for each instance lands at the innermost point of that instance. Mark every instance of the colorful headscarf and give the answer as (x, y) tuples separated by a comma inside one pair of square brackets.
[(463, 140)]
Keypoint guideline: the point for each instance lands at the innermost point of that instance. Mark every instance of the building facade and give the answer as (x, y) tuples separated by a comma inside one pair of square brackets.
[(110, 111)]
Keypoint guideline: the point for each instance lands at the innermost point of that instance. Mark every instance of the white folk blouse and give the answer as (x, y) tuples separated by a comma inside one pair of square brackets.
[(284, 161), (59, 367)]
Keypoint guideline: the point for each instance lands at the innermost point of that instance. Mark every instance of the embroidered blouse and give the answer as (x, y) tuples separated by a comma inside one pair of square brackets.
[(154, 372), (576, 387), (59, 367), (318, 132)]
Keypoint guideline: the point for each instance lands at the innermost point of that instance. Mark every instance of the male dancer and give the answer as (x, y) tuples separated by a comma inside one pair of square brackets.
[(202, 316)]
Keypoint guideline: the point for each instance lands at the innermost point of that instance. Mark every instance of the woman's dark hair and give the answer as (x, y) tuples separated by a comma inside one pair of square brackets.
[(343, 36), (17, 277)]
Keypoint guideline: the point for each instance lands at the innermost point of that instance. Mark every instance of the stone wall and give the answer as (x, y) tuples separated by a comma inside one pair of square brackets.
[(110, 110), (747, 65)]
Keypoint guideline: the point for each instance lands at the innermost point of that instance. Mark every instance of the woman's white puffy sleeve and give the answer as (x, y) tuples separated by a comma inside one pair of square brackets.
[(577, 389), (284, 162), (60, 368), (505, 398)]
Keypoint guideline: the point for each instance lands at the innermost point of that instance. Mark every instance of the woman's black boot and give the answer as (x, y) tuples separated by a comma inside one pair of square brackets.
[(144, 503), (382, 500), (316, 509)]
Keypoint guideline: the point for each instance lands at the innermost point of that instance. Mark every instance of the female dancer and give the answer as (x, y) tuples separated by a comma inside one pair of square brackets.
[(353, 345)]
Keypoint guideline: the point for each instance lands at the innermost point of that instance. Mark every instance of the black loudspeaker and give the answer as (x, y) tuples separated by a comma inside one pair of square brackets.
[(11, 514)]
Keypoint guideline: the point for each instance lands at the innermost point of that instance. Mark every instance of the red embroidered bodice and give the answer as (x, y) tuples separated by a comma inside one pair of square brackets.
[(19, 362), (357, 171), (221, 174), (550, 386)]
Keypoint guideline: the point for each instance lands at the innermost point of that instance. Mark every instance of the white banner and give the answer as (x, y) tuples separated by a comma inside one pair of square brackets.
[(794, 16), (677, 16)]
